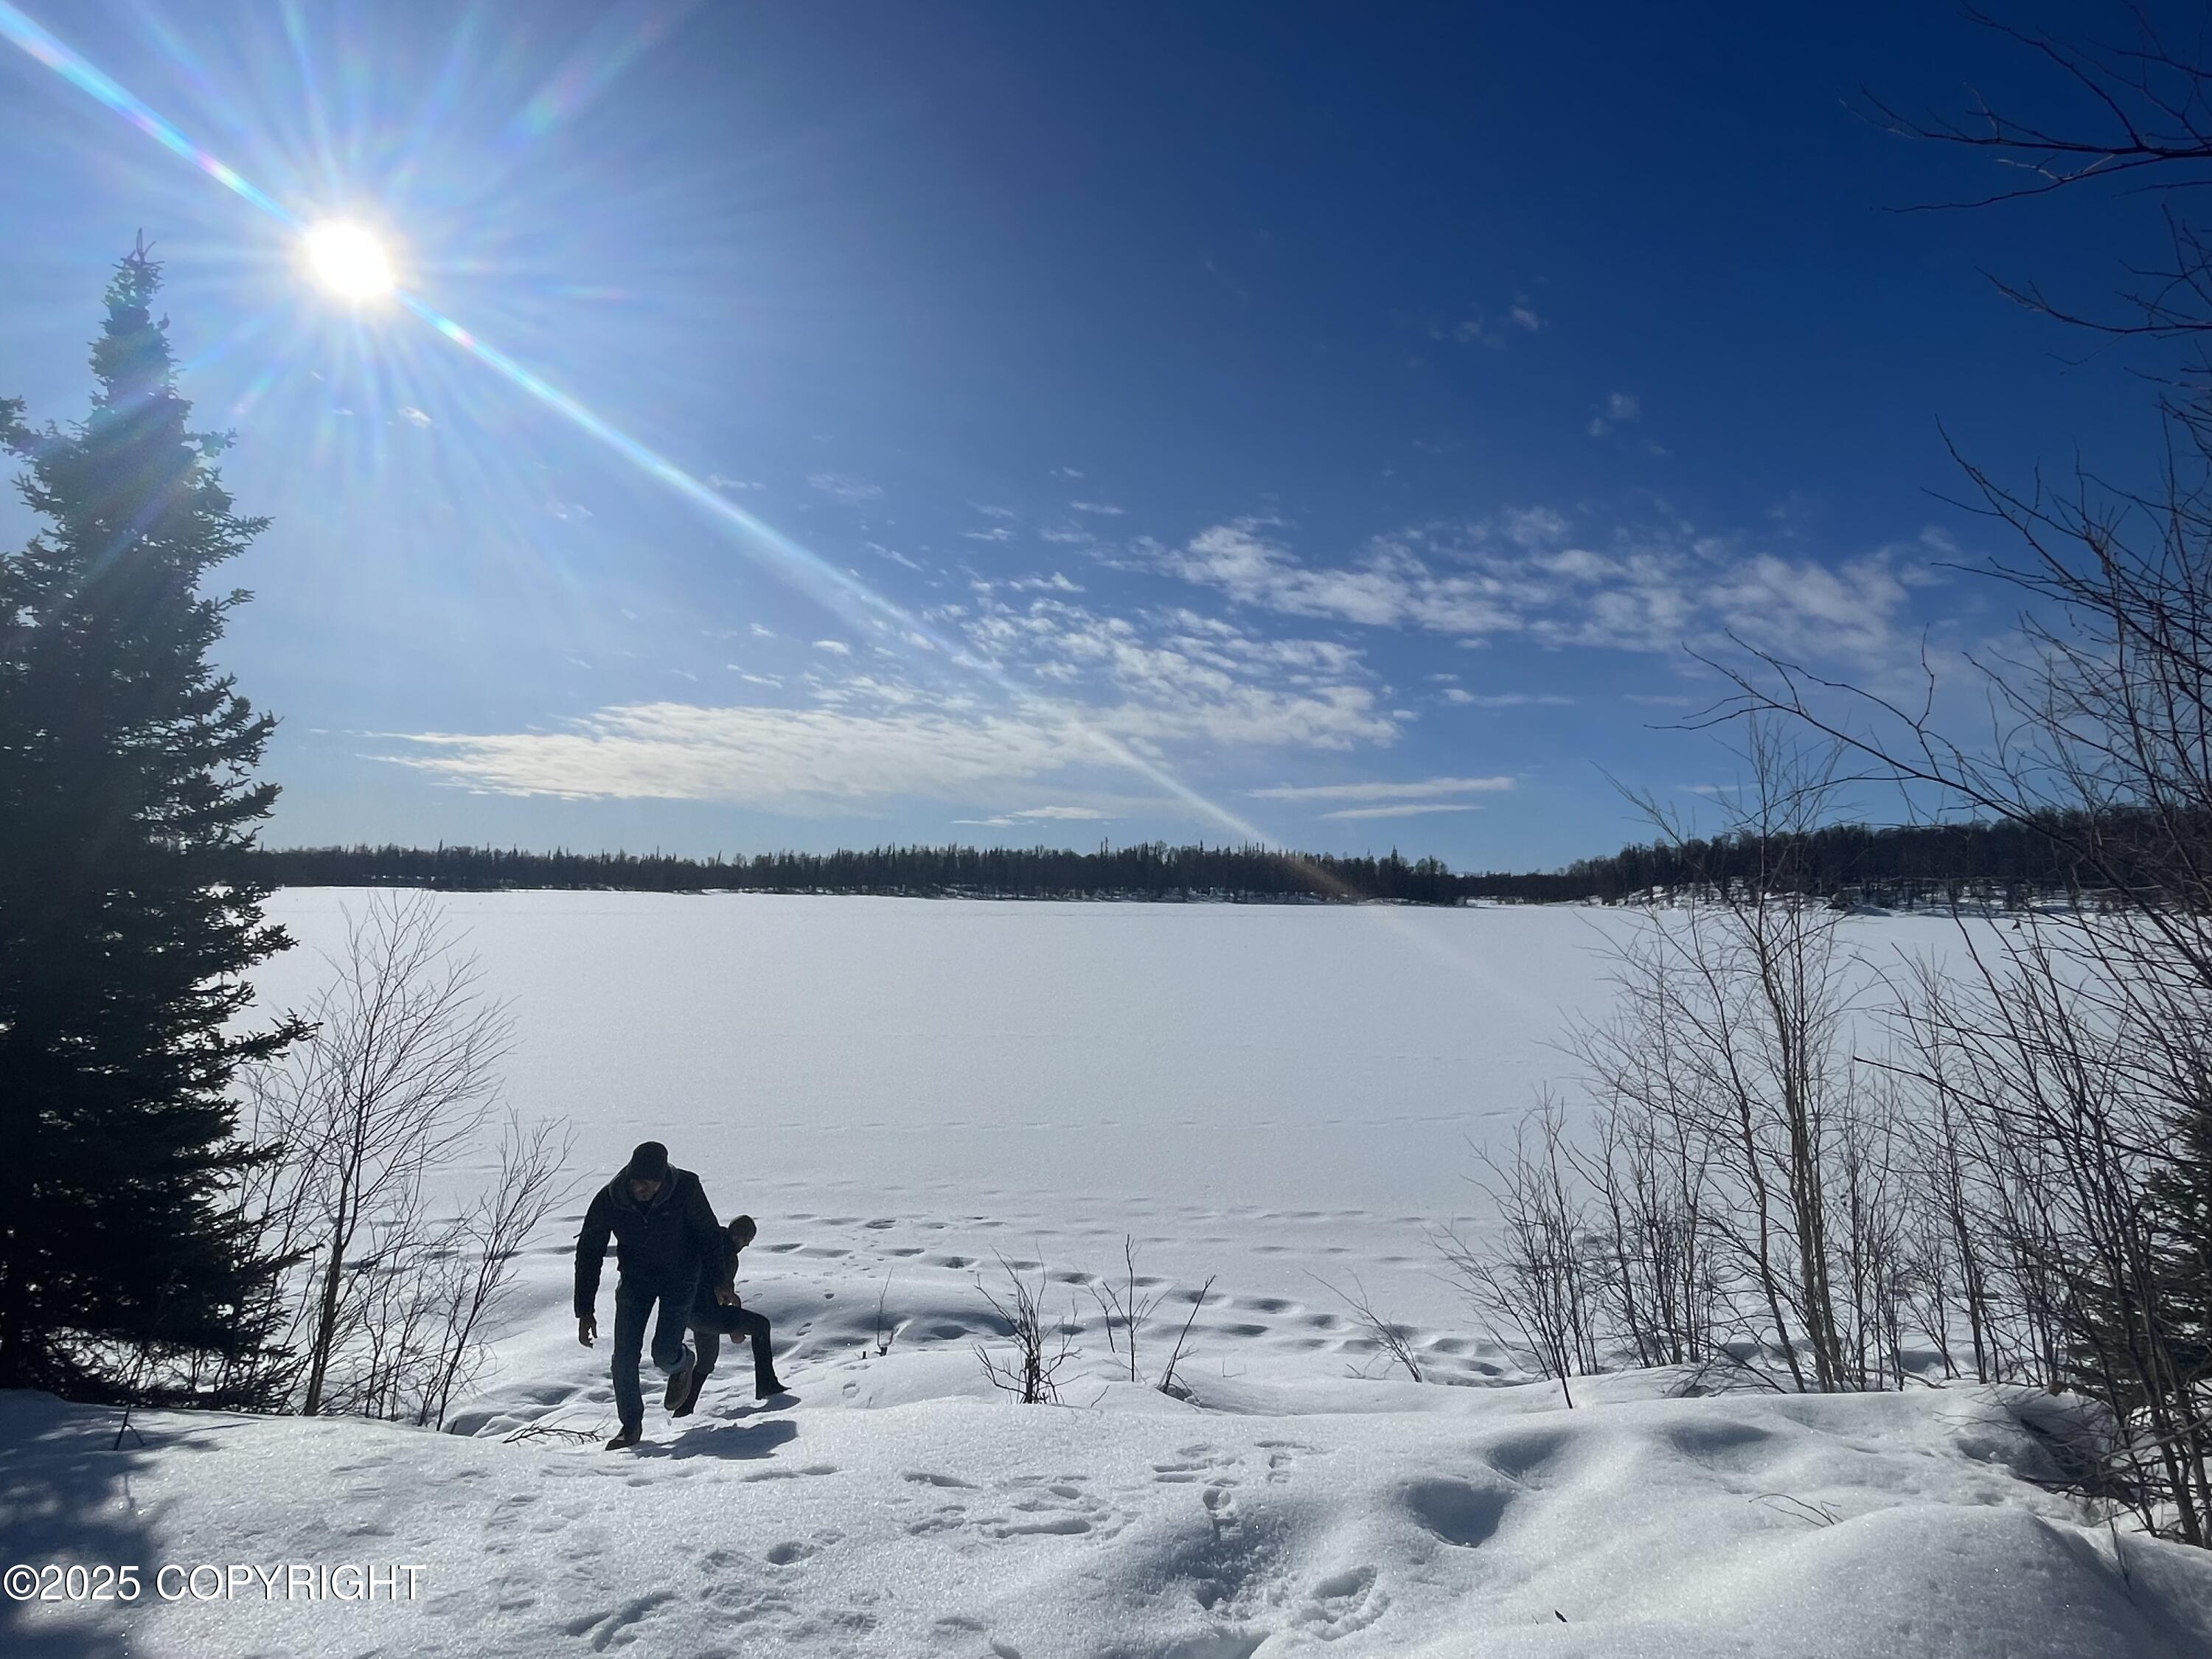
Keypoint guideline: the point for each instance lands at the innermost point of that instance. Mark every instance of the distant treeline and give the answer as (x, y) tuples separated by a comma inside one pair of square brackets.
[(1146, 870), (1901, 865)]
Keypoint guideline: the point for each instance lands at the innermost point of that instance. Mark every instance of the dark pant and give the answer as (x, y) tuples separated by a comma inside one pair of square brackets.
[(709, 1328), (633, 1307)]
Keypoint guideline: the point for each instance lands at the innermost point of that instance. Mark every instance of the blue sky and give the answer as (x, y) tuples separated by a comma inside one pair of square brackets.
[(1341, 424)]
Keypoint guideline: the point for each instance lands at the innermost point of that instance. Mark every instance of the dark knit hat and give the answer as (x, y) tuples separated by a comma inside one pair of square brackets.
[(648, 1162)]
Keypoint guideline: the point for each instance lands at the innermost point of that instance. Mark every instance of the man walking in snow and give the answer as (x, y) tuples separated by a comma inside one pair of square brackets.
[(669, 1239), (716, 1312)]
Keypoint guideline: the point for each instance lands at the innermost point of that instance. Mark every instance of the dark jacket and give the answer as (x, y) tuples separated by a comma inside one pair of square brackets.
[(664, 1243)]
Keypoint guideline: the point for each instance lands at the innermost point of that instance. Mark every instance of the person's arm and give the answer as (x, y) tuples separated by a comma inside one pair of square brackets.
[(740, 1232), (725, 1276), (591, 1255), (708, 1240)]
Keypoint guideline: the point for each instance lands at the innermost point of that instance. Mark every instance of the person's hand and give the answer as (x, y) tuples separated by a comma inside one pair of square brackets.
[(727, 1295), (586, 1328)]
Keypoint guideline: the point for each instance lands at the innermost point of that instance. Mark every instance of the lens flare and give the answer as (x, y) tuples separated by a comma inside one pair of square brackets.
[(353, 264), (349, 262)]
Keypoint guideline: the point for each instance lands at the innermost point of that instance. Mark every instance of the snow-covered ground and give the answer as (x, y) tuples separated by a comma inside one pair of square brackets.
[(1281, 1097), (914, 1518)]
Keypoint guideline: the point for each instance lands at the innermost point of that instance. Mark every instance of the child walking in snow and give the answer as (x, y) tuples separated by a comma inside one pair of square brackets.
[(716, 1312)]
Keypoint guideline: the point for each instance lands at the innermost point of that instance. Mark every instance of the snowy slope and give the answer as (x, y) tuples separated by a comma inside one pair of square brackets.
[(1321, 1518)]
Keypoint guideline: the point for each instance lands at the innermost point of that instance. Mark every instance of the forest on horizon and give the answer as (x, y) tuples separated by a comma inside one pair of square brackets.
[(1891, 865)]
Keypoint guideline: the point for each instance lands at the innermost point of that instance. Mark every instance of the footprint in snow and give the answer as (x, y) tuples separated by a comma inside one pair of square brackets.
[(1343, 1602), (1188, 1463), (1039, 1508), (946, 1517), (927, 1478), (791, 1474), (603, 1627)]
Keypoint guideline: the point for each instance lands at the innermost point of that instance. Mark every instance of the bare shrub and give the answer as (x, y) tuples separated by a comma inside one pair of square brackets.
[(2071, 1064), (1123, 1303), (1042, 1346), (884, 1334), (2064, 1084), (1743, 1198), (390, 1295), (1655, 1278), (1167, 1383), (1393, 1340), (1126, 1310), (1531, 1289)]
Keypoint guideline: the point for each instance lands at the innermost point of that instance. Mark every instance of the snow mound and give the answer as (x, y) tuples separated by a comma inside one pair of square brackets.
[(892, 1511)]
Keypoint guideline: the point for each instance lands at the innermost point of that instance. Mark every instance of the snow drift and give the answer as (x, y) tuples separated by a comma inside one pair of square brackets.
[(893, 1512)]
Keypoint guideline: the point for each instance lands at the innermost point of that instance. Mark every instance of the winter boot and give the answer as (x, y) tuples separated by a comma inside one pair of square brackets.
[(690, 1399), (678, 1392)]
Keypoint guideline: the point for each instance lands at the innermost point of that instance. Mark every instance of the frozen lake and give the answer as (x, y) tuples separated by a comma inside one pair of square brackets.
[(1264, 1092), (1307, 1057)]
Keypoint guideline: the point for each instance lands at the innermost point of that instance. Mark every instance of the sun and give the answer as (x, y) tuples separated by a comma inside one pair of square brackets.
[(348, 261)]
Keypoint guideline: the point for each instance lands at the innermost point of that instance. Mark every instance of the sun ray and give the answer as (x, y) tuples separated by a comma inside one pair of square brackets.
[(842, 592), (73, 67)]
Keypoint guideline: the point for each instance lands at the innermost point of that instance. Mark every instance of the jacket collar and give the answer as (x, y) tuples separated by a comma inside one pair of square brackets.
[(619, 1186)]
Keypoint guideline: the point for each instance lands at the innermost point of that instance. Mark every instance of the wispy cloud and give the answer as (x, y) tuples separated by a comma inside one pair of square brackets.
[(1619, 408), (893, 555), (1043, 814), (1407, 812), (790, 759), (844, 486), (1506, 699), (1166, 687), (1176, 676), (1102, 509), (1479, 328), (1523, 574), (1424, 789)]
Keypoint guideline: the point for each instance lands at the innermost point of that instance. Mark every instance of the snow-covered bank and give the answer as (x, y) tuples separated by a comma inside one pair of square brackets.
[(910, 1518)]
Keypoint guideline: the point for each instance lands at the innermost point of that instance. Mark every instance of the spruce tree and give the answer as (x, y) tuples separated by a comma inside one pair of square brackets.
[(128, 915)]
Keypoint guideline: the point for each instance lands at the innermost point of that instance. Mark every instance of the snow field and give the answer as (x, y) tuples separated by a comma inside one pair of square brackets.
[(1269, 1094), (1336, 1517), (900, 1093)]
